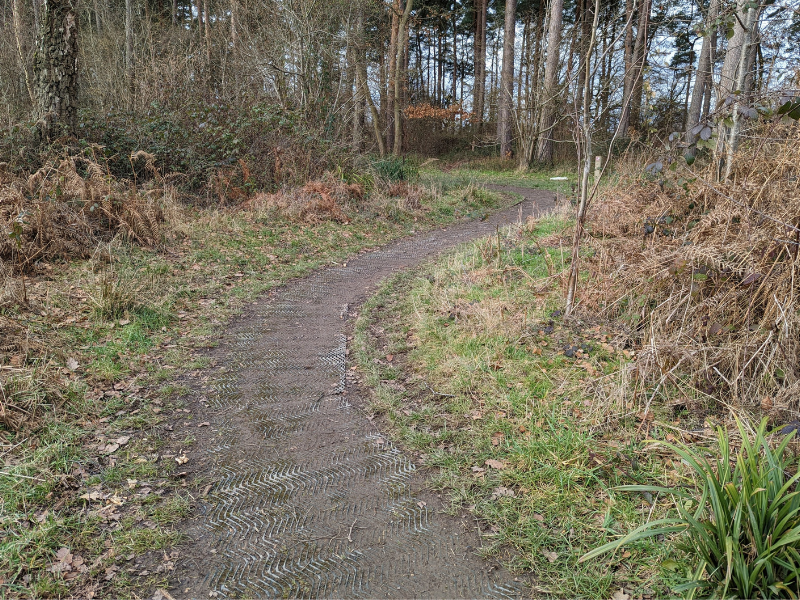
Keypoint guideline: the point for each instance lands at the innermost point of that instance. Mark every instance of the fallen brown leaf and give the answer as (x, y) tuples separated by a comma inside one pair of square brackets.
[(550, 556), (495, 464)]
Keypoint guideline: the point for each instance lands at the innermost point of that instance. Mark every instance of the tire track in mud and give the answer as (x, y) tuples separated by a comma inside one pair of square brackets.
[(308, 499)]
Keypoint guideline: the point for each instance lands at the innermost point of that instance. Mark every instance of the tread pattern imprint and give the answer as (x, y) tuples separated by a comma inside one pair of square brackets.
[(308, 500)]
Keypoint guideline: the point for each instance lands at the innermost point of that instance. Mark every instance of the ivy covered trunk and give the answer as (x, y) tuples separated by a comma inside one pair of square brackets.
[(56, 68)]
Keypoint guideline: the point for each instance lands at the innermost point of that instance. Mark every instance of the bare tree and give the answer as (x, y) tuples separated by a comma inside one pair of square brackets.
[(586, 131)]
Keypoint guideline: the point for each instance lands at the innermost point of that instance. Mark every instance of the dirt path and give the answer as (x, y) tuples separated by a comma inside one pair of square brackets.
[(308, 499)]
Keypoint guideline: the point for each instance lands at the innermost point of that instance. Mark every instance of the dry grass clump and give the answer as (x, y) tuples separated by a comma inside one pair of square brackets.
[(708, 275), (67, 207), (23, 393), (316, 201), (24, 385)]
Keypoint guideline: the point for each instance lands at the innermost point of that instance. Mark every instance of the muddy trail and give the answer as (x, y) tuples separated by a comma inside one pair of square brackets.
[(306, 497)]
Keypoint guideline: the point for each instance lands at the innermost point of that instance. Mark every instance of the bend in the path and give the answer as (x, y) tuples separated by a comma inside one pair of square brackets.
[(309, 500)]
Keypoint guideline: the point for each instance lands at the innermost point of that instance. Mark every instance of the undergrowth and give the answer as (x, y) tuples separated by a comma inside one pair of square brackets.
[(706, 276)]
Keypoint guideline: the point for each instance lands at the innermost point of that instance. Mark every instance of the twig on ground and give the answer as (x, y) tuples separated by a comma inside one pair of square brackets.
[(435, 393), (350, 533), (20, 475)]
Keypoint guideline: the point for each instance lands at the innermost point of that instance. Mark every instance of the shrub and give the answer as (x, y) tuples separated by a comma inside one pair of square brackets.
[(743, 533), (69, 205), (394, 168)]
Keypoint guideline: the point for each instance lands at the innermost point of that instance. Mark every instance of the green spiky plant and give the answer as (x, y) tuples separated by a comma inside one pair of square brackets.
[(743, 534)]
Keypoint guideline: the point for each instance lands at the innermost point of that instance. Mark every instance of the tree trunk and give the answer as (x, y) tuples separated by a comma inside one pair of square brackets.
[(207, 35), (586, 128), (398, 131), (585, 35), (428, 90), (544, 152), (393, 44), (743, 82), (455, 56), (383, 94), (376, 119), (37, 9), (640, 60), (702, 80), (234, 24), (479, 87), (353, 53), (440, 67), (129, 77), (529, 96), (18, 36), (627, 83), (522, 52), (729, 76), (506, 81), (56, 68)]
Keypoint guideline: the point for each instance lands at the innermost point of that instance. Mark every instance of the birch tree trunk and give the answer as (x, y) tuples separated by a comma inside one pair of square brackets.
[(743, 81), (18, 35), (733, 68), (376, 118)]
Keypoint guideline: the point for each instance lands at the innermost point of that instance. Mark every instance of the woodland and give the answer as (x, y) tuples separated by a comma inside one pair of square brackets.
[(165, 162)]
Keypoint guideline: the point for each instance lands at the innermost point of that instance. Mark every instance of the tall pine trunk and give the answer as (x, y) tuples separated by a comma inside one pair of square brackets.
[(56, 68), (506, 81), (393, 43), (479, 87), (549, 101), (399, 76)]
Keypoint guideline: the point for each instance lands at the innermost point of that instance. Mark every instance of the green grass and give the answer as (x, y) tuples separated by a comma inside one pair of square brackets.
[(479, 171), (479, 374)]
